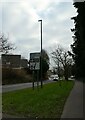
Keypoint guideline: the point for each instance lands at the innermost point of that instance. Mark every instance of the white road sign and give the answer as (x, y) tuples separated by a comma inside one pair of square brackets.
[(34, 65), (34, 61), (34, 56)]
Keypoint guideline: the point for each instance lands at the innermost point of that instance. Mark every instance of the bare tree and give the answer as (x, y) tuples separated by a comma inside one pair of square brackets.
[(5, 46), (62, 59)]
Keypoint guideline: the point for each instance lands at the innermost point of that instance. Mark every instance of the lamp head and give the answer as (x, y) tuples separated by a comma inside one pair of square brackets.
[(39, 20)]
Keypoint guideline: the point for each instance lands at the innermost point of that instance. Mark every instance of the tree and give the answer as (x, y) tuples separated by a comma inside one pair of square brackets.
[(62, 59), (45, 63), (78, 46), (5, 46), (45, 56)]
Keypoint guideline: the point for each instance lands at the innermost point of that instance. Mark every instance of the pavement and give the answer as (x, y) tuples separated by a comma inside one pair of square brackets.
[(0, 115), (74, 105)]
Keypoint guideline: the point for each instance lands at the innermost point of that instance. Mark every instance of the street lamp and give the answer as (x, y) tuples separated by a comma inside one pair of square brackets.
[(41, 55)]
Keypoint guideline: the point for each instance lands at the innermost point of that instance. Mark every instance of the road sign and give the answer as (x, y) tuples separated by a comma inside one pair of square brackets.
[(34, 61), (37, 66), (35, 56), (32, 65)]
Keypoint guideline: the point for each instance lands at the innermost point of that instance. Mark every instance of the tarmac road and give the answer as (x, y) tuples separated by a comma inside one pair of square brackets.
[(7, 88)]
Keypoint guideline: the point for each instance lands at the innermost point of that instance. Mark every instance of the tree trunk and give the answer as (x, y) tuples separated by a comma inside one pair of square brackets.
[(66, 72)]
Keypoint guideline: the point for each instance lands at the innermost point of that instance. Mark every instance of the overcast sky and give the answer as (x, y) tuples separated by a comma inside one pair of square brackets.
[(20, 24)]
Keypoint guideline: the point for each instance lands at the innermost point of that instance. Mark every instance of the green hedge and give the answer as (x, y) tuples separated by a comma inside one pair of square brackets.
[(13, 76)]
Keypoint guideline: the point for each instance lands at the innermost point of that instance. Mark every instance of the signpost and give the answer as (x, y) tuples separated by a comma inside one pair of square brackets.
[(34, 61), (35, 65), (41, 54)]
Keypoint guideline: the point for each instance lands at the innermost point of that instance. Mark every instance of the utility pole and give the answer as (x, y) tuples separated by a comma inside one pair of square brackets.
[(41, 55)]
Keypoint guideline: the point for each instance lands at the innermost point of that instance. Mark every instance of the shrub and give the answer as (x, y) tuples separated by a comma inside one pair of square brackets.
[(11, 76)]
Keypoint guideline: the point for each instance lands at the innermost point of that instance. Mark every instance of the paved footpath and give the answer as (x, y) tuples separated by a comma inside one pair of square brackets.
[(0, 115), (74, 105)]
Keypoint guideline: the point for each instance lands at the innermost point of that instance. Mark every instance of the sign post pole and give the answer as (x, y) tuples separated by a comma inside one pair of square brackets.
[(38, 79), (33, 81), (41, 55), (35, 66)]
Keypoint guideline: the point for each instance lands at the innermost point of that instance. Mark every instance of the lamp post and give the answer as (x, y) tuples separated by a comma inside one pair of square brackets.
[(41, 55)]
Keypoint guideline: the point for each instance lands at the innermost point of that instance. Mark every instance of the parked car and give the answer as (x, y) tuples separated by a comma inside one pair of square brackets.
[(54, 77)]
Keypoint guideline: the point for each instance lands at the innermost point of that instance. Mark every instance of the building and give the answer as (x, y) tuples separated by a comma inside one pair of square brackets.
[(11, 61), (24, 63)]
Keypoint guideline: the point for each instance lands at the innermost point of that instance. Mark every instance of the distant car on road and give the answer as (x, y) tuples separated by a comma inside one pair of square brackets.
[(54, 77), (72, 78)]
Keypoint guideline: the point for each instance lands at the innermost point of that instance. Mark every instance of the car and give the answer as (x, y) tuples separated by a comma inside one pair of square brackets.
[(72, 78), (54, 77)]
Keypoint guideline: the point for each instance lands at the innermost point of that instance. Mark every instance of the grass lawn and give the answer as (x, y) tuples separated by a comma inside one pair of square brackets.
[(47, 102)]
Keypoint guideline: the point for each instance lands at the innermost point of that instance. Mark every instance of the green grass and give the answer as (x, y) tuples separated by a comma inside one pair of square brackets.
[(45, 103)]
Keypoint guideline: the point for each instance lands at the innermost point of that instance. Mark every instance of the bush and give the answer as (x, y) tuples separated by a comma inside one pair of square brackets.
[(13, 76)]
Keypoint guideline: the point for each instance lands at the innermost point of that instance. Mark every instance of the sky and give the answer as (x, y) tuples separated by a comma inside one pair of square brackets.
[(20, 24)]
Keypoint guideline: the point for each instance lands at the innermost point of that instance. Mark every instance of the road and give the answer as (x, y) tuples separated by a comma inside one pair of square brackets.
[(7, 88)]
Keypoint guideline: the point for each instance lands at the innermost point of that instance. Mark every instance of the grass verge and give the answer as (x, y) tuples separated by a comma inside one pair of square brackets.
[(47, 102)]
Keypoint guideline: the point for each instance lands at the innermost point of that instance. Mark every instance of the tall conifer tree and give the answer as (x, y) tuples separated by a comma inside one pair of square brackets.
[(78, 47)]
